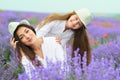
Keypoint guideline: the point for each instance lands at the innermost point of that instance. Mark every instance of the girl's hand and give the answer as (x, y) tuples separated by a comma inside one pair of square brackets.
[(13, 42), (58, 40)]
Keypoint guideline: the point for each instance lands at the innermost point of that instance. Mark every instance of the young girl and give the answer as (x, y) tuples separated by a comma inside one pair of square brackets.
[(70, 27)]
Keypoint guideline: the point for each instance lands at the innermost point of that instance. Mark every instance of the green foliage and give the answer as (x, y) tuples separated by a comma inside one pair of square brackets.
[(6, 54), (1, 10), (18, 71), (12, 19), (33, 20)]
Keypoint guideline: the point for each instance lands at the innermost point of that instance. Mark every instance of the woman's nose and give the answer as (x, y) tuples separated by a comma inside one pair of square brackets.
[(27, 36)]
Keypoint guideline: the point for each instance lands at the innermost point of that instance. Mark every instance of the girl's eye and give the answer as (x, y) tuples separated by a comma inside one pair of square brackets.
[(70, 20), (76, 18)]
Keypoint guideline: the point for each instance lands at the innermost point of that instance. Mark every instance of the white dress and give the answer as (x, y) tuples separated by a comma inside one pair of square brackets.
[(52, 51)]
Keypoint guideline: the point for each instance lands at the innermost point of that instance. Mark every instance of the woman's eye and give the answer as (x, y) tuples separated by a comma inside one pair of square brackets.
[(27, 31), (21, 37)]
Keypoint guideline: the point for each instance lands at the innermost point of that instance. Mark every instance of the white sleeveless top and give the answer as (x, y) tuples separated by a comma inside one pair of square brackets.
[(52, 51)]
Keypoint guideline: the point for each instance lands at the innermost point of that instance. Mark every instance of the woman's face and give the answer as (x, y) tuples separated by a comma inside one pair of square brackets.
[(74, 22), (26, 35)]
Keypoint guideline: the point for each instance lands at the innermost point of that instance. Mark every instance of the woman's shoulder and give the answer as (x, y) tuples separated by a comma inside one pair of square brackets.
[(48, 39), (50, 43)]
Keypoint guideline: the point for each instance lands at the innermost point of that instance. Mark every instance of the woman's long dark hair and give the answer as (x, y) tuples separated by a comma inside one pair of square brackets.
[(81, 41), (28, 51)]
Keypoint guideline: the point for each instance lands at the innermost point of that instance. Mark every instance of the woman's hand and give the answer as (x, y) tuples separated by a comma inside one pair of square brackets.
[(58, 40), (13, 43)]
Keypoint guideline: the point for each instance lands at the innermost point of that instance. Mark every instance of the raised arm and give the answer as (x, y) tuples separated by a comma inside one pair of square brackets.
[(13, 43)]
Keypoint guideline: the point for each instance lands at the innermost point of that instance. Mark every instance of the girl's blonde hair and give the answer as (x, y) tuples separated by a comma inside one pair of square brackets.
[(55, 16)]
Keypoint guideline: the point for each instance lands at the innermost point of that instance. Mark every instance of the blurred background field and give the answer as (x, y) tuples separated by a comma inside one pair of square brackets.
[(104, 32)]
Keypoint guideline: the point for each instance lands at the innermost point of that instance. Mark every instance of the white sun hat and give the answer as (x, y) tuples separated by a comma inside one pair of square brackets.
[(13, 25), (84, 15)]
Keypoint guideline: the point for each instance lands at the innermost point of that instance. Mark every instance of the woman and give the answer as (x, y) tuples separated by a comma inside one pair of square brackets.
[(33, 51), (71, 26)]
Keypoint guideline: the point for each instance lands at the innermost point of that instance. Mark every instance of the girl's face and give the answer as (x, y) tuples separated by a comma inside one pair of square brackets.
[(26, 35), (74, 22)]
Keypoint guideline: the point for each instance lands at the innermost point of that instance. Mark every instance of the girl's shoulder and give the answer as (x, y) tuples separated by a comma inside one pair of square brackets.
[(56, 21)]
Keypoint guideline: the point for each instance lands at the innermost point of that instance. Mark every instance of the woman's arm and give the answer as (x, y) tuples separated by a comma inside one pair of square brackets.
[(13, 43)]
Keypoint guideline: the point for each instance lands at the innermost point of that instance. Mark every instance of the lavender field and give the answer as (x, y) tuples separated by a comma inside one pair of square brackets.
[(104, 35)]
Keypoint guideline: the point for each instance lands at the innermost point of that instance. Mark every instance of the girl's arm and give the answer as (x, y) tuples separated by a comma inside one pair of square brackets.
[(44, 30)]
